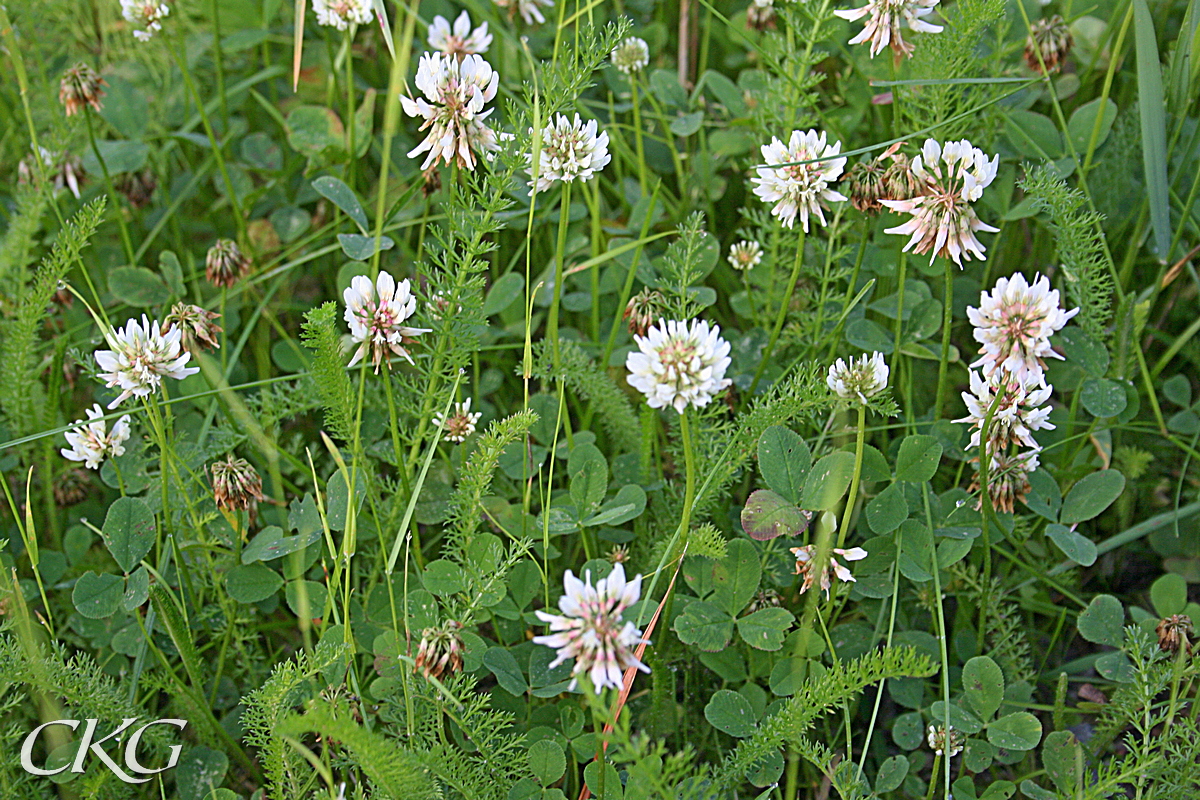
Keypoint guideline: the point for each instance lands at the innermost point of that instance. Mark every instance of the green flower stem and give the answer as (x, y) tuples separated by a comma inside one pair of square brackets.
[(942, 648), (781, 317), (638, 142), (220, 61), (985, 500), (559, 257), (108, 185), (859, 439), (689, 492), (901, 270), (947, 323), (238, 218), (350, 121), (866, 748), (593, 201)]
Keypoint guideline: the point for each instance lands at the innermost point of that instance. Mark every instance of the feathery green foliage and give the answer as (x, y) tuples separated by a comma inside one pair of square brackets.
[(587, 379), (329, 370)]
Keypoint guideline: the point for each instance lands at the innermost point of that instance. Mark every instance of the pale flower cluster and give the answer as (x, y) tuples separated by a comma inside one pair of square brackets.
[(145, 15), (861, 379), (459, 40), (1014, 323), (799, 189), (591, 631), (455, 89), (631, 55), (141, 356), (341, 14), (460, 424), (885, 18), (92, 442), (804, 566), (949, 178), (678, 365), (745, 255), (571, 150), (374, 312), (528, 9)]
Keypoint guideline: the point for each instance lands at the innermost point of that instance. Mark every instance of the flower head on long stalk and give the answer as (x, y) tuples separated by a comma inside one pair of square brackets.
[(886, 17), (678, 365), (92, 442), (455, 89), (528, 9), (145, 15), (1014, 323), (80, 86), (861, 379), (341, 14), (571, 150), (141, 356), (375, 311), (459, 40), (804, 566), (590, 628), (799, 189)]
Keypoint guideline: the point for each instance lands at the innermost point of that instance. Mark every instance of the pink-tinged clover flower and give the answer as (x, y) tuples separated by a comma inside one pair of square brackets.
[(1017, 415), (951, 177), (141, 355), (571, 150), (460, 423), (374, 312), (804, 566), (886, 16), (455, 90), (590, 629), (341, 14), (459, 40), (799, 189), (1014, 323), (679, 365), (145, 14), (92, 442)]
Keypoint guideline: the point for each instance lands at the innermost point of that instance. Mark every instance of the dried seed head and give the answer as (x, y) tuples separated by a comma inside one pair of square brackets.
[(641, 311), (1174, 632), (138, 187), (72, 487), (80, 86), (865, 182), (440, 648), (236, 484), (225, 263), (197, 325), (899, 181), (1052, 38)]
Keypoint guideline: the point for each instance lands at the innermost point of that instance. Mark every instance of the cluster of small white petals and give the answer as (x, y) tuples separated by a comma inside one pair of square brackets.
[(631, 55), (804, 566), (860, 379), (591, 631), (678, 365), (146, 15), (799, 189), (141, 355), (571, 150), (374, 312), (886, 16), (341, 14), (455, 89), (460, 424), (745, 254), (459, 40), (92, 442), (951, 177), (1014, 323), (528, 9), (1018, 410)]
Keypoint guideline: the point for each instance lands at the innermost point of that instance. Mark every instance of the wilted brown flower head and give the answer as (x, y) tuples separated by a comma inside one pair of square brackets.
[(138, 187), (236, 484), (642, 310), (1052, 37), (197, 325), (72, 487), (80, 86), (225, 263), (1174, 632), (1008, 479), (866, 185), (440, 648), (899, 182)]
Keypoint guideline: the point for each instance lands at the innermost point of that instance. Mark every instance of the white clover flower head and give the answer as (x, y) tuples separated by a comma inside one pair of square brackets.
[(886, 16), (528, 9), (455, 89), (92, 442), (745, 254), (141, 355), (860, 379), (1018, 412), (459, 40), (460, 424), (945, 741), (144, 14), (341, 14), (590, 628), (804, 566), (65, 169), (571, 150), (374, 312), (678, 365), (801, 189), (952, 176), (1014, 323), (631, 55)]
